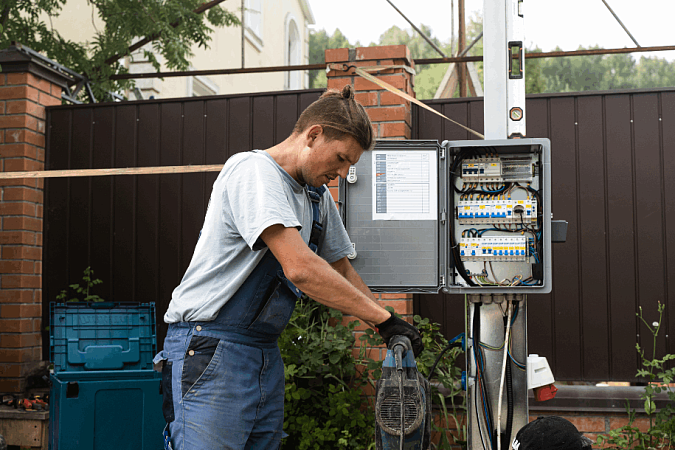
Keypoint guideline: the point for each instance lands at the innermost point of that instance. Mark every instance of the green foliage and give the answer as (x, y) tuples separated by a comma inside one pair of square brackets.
[(77, 291), (565, 74), (605, 72), (323, 407), (428, 76), (448, 374), (319, 42), (659, 373), (29, 22)]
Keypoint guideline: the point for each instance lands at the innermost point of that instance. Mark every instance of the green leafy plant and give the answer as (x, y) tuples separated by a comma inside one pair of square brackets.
[(447, 374), (661, 432), (323, 405), (174, 27), (78, 291), (326, 370)]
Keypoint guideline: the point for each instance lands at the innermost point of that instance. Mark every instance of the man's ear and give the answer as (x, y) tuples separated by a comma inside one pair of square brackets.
[(313, 134)]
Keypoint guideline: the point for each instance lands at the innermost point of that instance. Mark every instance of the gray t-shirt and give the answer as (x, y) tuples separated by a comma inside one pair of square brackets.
[(251, 193)]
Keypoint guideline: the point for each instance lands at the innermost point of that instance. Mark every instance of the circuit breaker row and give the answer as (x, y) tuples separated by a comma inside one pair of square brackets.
[(498, 170), (494, 248), (476, 212)]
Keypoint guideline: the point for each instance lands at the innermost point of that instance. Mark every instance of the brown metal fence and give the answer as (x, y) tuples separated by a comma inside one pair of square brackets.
[(613, 175), (138, 232), (612, 158)]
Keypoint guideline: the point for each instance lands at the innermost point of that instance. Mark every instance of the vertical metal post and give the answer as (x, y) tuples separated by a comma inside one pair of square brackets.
[(243, 32), (482, 408), (504, 63), (461, 67)]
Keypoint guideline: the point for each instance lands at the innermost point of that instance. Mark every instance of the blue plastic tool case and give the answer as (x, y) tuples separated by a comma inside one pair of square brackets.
[(105, 393)]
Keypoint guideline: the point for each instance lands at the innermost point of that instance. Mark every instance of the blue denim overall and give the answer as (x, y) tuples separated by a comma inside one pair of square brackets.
[(223, 380)]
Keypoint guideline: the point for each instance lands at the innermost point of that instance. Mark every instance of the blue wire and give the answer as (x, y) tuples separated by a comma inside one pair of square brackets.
[(485, 413)]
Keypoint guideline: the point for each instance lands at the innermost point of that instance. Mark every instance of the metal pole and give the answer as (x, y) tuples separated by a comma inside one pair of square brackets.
[(461, 69), (322, 66), (418, 30), (620, 23), (452, 27), (243, 25)]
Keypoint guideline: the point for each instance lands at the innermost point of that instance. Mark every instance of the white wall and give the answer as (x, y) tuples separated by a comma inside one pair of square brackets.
[(75, 23)]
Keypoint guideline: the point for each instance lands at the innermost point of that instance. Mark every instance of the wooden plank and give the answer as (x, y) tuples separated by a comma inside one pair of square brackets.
[(25, 432), (74, 173)]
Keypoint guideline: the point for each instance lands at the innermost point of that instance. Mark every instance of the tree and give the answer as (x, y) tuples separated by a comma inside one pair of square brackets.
[(319, 42), (655, 72), (428, 76), (605, 72), (173, 23)]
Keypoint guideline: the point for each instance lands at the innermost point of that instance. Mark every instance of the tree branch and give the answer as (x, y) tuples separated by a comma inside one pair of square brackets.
[(4, 17), (142, 42)]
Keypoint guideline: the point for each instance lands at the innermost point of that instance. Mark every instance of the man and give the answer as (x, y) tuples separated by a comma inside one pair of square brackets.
[(271, 232), (550, 433)]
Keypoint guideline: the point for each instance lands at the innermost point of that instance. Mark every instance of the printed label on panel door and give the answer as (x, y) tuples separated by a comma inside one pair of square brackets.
[(405, 185)]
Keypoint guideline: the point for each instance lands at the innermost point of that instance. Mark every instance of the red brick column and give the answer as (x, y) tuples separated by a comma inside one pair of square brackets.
[(390, 114), (26, 88)]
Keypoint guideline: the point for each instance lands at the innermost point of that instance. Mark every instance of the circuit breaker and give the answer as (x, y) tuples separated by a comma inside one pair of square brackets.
[(452, 217)]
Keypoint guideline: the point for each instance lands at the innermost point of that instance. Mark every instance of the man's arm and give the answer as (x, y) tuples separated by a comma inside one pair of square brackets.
[(344, 268), (316, 278)]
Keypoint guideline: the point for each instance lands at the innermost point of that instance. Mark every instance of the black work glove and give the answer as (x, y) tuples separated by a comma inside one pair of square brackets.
[(395, 326)]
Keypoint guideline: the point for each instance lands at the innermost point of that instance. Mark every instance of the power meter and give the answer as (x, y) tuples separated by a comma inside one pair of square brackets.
[(456, 217)]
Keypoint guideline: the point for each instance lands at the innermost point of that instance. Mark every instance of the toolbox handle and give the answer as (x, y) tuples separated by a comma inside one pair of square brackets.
[(103, 357)]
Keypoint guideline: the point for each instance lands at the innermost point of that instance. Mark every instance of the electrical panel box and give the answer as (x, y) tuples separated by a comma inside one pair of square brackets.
[(456, 217)]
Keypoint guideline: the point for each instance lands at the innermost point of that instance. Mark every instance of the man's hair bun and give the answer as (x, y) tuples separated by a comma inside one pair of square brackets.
[(348, 92)]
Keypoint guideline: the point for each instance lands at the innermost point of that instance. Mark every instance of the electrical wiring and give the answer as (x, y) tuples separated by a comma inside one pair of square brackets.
[(480, 383), (477, 387), (507, 335), (484, 193)]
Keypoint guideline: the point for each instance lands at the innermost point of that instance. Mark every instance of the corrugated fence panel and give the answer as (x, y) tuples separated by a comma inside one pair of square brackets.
[(147, 204), (649, 212), (613, 160), (566, 298), (621, 250), (668, 143), (612, 172), (138, 232), (592, 242)]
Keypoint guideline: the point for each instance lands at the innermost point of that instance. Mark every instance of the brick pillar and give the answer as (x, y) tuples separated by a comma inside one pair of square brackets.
[(26, 88), (391, 117)]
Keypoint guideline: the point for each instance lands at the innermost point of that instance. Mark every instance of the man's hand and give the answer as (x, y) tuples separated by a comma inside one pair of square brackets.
[(395, 326)]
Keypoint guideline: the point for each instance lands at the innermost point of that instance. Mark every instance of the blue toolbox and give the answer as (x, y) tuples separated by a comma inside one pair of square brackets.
[(105, 393)]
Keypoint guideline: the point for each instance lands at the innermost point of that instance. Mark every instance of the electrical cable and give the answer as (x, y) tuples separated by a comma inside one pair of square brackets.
[(509, 405), (454, 247), (478, 355), (453, 343), (503, 376)]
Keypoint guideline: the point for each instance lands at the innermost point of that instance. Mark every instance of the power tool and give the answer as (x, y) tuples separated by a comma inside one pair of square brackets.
[(403, 401)]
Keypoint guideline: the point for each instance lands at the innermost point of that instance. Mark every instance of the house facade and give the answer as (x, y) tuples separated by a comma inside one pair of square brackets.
[(274, 33)]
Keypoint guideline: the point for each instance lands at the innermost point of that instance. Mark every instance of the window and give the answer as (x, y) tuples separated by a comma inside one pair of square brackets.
[(293, 52), (253, 22), (199, 86)]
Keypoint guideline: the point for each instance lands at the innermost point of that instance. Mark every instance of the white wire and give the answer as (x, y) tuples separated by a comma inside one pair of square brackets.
[(501, 383)]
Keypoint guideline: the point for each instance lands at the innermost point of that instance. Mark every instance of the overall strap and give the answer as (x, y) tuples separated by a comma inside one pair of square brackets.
[(315, 195)]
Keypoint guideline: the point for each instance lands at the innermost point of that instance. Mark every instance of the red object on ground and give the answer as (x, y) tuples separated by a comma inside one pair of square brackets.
[(543, 393)]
